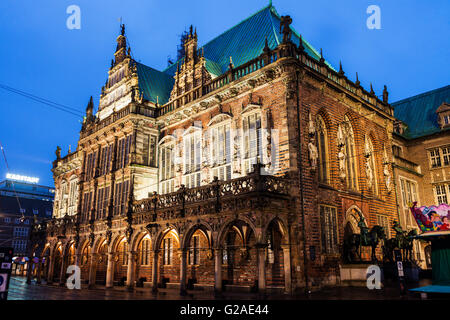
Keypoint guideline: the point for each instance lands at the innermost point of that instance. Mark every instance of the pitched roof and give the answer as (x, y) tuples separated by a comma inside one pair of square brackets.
[(155, 85), (245, 41), (419, 112)]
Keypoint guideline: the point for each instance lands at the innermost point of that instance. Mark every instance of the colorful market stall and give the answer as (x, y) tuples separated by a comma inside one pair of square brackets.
[(433, 222)]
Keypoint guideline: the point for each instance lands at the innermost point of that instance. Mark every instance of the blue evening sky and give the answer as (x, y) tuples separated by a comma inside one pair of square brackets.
[(39, 55)]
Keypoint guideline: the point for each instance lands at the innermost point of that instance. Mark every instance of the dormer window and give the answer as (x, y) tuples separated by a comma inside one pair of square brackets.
[(443, 113)]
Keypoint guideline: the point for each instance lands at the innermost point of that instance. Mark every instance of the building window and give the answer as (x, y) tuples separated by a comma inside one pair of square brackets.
[(7, 220), (167, 168), (22, 210), (383, 221), (123, 152), (20, 232), (194, 251), (252, 143), (328, 222), (168, 250), (192, 159), (220, 149), (145, 252), (435, 158), (19, 245), (123, 253), (322, 146), (121, 197), (86, 208), (409, 195), (441, 193), (346, 144), (446, 155)]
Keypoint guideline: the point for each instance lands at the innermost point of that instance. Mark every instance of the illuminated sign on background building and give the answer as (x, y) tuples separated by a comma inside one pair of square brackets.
[(18, 177)]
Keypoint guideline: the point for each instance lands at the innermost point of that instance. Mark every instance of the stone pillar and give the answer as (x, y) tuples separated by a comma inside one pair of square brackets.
[(183, 270), (131, 271), (92, 271), (261, 251), (30, 270), (155, 271), (62, 272), (218, 256), (287, 268), (51, 264), (77, 259), (38, 272), (110, 271)]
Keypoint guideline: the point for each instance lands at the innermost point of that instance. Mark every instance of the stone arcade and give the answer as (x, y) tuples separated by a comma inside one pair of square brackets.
[(127, 213)]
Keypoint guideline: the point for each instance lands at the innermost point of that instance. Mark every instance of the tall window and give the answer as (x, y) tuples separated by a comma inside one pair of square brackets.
[(121, 197), (123, 152), (86, 208), (252, 143), (441, 193), (383, 221), (322, 146), (145, 252), (192, 159), (166, 168), (446, 155), (328, 222), (350, 155), (435, 158), (90, 165), (168, 250), (73, 195), (149, 150), (220, 149), (123, 253), (102, 202), (194, 251), (409, 195), (62, 198)]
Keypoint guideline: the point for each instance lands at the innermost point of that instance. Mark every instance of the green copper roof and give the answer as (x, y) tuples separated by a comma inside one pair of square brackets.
[(245, 41), (155, 85), (419, 112)]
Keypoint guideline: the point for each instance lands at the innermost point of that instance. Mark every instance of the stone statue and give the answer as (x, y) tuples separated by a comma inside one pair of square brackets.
[(369, 173), (342, 157), (386, 173), (313, 154), (58, 152), (285, 29), (385, 95), (311, 126)]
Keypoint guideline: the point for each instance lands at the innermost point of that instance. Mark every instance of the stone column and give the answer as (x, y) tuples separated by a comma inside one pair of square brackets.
[(92, 271), (110, 271), (155, 271), (261, 251), (287, 269), (62, 272), (38, 272), (218, 256), (131, 271), (30, 270), (77, 259), (50, 270), (183, 269)]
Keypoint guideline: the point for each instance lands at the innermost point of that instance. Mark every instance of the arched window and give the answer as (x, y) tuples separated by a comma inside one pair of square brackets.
[(219, 132), (144, 252), (192, 142), (73, 195), (252, 139), (322, 148), (349, 145)]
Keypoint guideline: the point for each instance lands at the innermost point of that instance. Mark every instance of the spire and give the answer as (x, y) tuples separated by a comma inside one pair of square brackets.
[(121, 48), (341, 71), (357, 83), (322, 60), (371, 89)]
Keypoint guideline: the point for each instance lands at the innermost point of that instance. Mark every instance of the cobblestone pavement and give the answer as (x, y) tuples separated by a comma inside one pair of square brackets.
[(19, 290)]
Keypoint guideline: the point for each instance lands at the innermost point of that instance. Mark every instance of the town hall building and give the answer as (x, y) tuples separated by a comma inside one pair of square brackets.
[(245, 164)]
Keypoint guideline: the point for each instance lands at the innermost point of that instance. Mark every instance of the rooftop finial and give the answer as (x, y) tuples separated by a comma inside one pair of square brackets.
[(385, 94), (357, 83), (122, 29), (371, 89), (341, 71), (321, 56)]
